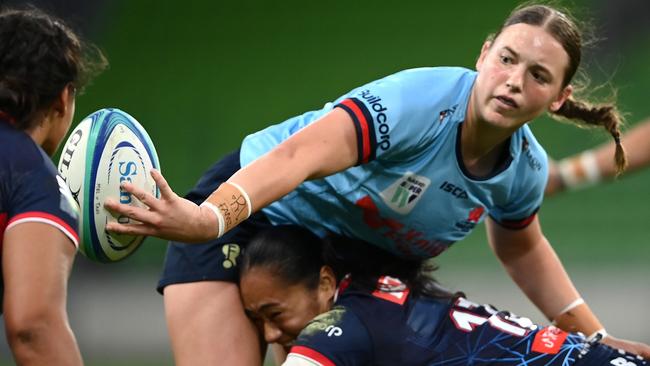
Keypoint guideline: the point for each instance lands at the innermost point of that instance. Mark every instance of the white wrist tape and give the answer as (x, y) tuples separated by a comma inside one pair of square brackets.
[(246, 197), (580, 171), (217, 212), (577, 302), (597, 336)]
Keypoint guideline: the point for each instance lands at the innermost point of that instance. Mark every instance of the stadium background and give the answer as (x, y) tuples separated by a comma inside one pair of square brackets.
[(201, 74)]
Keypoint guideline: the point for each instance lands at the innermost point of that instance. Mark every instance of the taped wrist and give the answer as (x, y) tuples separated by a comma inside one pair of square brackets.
[(580, 171), (578, 317), (231, 205)]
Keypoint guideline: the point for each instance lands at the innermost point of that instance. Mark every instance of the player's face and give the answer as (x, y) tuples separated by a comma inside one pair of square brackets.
[(281, 311), (520, 76)]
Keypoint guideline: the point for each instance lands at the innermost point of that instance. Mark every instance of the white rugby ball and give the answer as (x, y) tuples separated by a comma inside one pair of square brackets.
[(105, 149)]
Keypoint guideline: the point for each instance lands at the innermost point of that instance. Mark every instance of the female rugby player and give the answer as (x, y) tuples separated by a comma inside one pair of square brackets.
[(342, 302), (43, 65), (411, 162)]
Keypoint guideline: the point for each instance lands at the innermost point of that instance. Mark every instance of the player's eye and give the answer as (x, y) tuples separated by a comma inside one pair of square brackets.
[(539, 77), (506, 60)]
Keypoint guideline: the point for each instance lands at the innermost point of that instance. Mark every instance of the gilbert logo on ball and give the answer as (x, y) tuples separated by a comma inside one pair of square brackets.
[(107, 148)]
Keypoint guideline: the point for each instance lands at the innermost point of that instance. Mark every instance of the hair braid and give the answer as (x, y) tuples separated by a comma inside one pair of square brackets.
[(605, 115)]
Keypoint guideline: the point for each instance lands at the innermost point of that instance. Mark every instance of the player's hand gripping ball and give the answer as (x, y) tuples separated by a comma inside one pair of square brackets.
[(107, 148)]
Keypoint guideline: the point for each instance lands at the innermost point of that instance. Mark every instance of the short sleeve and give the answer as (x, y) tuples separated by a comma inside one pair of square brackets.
[(337, 337), (400, 115), (39, 194)]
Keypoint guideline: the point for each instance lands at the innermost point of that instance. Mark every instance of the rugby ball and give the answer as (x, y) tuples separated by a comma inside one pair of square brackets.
[(105, 149)]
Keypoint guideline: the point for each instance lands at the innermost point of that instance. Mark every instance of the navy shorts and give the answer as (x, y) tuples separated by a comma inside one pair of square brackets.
[(215, 260)]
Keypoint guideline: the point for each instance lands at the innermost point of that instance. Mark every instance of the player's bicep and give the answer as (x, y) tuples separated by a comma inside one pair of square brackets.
[(35, 253), (326, 146), (510, 243)]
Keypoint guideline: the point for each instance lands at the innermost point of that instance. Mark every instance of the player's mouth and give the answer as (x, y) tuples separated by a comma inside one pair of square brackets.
[(507, 102)]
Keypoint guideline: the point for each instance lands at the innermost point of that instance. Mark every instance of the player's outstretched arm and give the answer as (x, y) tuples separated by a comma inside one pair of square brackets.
[(318, 150), (592, 166), (534, 266)]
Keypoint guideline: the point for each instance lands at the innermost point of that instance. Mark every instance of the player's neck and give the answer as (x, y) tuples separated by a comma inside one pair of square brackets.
[(482, 144)]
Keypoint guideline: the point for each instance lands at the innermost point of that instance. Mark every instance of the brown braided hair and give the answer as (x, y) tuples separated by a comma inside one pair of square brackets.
[(560, 25)]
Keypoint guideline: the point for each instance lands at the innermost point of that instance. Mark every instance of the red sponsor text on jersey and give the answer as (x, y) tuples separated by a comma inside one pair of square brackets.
[(397, 231), (549, 340)]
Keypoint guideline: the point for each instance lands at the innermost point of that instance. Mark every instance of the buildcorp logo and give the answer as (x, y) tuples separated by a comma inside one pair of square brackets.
[(380, 116)]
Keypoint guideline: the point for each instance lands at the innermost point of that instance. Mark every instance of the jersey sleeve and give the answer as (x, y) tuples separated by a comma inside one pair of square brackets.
[(39, 194), (337, 337), (397, 116), (527, 193)]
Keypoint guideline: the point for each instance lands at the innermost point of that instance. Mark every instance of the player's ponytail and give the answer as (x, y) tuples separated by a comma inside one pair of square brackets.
[(604, 115)]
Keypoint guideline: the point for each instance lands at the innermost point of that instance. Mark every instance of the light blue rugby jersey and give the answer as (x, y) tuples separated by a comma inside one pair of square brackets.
[(410, 192)]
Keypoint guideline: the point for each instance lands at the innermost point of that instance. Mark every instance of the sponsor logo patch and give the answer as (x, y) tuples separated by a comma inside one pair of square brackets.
[(391, 289), (404, 194), (230, 252), (549, 340), (472, 219)]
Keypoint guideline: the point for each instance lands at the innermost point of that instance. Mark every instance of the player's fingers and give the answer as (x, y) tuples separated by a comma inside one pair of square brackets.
[(165, 190), (143, 196), (132, 212), (130, 229)]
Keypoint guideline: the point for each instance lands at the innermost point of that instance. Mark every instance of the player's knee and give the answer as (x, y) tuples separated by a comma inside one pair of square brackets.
[(29, 326)]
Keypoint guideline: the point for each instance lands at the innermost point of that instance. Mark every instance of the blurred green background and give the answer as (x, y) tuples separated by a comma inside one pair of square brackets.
[(200, 75)]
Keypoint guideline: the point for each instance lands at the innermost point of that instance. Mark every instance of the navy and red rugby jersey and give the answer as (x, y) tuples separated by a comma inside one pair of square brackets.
[(31, 189), (397, 328)]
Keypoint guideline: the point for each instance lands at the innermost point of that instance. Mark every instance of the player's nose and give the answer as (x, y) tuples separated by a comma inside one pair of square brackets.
[(271, 333)]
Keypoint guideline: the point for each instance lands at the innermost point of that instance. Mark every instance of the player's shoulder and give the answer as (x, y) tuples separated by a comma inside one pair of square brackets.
[(340, 323), (18, 152)]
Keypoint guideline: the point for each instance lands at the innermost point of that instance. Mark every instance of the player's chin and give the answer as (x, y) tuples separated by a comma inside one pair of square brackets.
[(506, 121)]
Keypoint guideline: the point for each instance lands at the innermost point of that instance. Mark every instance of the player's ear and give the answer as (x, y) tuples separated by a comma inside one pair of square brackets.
[(326, 287), (484, 50), (561, 98), (62, 103)]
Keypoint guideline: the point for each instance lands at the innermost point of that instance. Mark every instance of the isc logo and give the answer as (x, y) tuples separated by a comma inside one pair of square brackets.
[(454, 190)]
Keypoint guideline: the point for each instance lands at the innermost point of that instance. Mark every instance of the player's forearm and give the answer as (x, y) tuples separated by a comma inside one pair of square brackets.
[(323, 148), (272, 176), (539, 273), (542, 277), (595, 164)]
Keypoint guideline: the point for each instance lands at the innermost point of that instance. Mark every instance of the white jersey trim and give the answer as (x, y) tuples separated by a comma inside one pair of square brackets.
[(72, 236), (294, 359)]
